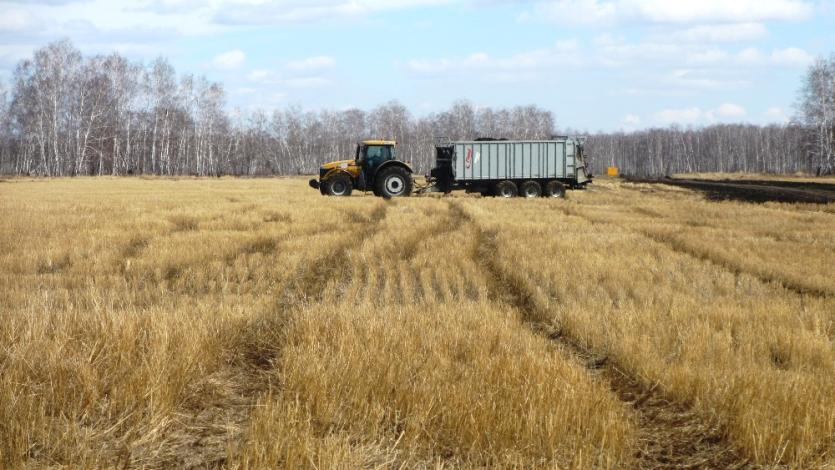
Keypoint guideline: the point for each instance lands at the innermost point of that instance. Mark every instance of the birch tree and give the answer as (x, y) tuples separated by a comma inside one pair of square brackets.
[(817, 109), (66, 114)]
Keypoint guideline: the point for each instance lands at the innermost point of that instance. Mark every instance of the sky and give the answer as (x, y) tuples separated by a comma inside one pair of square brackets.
[(598, 65)]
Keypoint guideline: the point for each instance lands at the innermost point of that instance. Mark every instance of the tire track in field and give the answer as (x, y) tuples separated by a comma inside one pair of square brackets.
[(679, 246), (203, 437), (307, 285), (144, 277), (671, 434), (312, 284), (407, 249)]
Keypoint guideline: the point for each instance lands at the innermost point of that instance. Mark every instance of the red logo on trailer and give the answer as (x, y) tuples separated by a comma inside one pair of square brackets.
[(468, 161)]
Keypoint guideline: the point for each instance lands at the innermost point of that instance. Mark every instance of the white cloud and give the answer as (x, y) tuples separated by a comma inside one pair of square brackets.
[(186, 17), (312, 63), (575, 11), (707, 57), (230, 60), (612, 52), (791, 57), (730, 110), (11, 54), (631, 121), (726, 112), (512, 68), (666, 11), (698, 79), (751, 56), (681, 116), (735, 32), (261, 76), (258, 12), (16, 20), (619, 53), (788, 57), (776, 114), (174, 6), (307, 82), (268, 77), (689, 11)]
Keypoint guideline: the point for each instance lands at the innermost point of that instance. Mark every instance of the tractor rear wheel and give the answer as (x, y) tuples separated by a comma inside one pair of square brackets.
[(530, 189), (555, 189), (506, 188), (339, 185), (393, 182)]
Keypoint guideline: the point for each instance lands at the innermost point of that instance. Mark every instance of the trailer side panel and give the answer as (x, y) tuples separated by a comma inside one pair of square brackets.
[(514, 160)]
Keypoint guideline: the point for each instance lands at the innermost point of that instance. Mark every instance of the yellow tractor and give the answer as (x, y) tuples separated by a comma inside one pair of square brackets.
[(375, 167)]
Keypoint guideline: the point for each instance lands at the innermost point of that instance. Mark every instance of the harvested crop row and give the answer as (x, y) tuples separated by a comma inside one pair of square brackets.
[(453, 378), (140, 345), (776, 243), (253, 322), (755, 357)]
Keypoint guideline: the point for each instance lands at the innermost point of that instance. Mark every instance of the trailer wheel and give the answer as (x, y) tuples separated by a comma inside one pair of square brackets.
[(393, 182), (530, 189), (555, 189), (506, 189), (339, 185)]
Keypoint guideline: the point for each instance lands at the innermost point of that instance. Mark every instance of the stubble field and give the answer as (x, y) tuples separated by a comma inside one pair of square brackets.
[(256, 324)]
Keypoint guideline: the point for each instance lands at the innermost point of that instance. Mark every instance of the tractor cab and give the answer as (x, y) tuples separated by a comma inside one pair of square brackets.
[(375, 167), (371, 153)]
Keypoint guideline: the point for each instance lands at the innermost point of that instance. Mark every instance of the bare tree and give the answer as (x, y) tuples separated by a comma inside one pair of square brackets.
[(817, 110), (722, 148), (70, 115), (123, 81)]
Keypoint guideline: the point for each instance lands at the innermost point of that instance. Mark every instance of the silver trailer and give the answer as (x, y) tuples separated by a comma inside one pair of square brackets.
[(507, 168)]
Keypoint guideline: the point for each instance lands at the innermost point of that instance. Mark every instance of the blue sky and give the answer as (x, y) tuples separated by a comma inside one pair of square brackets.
[(597, 64)]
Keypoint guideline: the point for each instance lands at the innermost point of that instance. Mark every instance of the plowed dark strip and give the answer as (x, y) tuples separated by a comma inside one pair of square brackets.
[(672, 434), (807, 185), (752, 191)]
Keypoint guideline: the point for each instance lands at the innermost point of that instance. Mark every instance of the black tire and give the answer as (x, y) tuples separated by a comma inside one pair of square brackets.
[(393, 182), (339, 185), (530, 189), (555, 189), (506, 189)]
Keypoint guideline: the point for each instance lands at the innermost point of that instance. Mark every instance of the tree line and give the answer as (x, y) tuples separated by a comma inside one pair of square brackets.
[(718, 148), (65, 115)]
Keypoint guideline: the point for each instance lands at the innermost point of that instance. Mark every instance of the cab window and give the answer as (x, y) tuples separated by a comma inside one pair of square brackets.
[(375, 154)]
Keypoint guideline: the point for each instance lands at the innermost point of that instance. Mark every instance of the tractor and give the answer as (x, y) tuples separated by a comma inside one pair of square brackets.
[(375, 167)]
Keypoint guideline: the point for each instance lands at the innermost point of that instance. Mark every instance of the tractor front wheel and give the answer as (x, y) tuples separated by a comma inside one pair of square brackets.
[(338, 185), (393, 182)]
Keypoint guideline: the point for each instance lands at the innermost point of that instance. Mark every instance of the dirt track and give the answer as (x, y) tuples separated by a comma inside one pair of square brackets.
[(754, 190)]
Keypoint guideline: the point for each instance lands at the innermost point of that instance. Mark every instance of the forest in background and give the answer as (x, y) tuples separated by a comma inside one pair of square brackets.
[(64, 114)]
